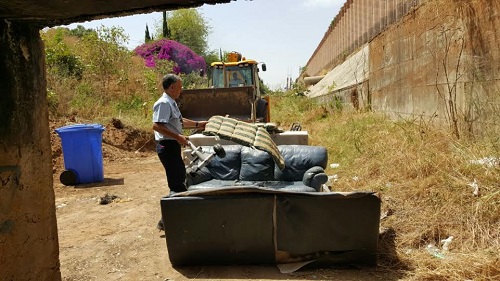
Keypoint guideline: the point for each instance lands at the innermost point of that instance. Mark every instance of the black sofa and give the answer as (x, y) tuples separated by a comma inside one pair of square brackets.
[(241, 209), (246, 166)]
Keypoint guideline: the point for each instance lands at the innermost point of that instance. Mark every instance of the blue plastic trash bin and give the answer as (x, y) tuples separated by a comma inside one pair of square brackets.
[(82, 152)]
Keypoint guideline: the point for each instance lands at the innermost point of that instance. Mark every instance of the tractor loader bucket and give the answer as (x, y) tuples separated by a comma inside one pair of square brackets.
[(201, 104)]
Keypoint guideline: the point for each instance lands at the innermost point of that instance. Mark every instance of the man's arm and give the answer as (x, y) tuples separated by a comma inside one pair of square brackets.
[(181, 139), (188, 123)]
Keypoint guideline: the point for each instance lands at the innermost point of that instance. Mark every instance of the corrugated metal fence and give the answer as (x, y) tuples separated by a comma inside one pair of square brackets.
[(356, 24)]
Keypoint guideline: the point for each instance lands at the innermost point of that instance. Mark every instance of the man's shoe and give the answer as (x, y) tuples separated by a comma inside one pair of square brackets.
[(160, 225)]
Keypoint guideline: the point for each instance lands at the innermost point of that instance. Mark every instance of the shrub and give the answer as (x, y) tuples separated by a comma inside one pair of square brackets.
[(59, 57), (186, 60)]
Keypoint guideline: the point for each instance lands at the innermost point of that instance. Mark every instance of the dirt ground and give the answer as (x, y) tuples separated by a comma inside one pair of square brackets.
[(119, 240)]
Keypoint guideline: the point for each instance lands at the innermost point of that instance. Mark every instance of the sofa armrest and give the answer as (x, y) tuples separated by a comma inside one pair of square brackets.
[(315, 177), (197, 177)]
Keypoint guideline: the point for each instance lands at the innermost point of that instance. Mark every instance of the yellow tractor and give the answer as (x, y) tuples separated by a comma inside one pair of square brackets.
[(234, 90)]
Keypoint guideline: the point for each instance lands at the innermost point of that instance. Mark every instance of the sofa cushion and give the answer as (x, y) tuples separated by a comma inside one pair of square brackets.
[(247, 134), (244, 133), (256, 165), (298, 159), (227, 168), (220, 126), (247, 166), (264, 141)]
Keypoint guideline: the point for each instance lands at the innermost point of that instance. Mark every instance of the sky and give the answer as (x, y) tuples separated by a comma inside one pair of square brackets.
[(281, 33)]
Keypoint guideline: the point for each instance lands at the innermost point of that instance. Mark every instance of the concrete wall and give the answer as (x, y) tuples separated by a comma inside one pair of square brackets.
[(346, 86), (434, 54), (28, 231), (404, 65), (445, 52)]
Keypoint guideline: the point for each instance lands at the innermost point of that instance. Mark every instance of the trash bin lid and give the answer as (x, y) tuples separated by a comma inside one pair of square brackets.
[(79, 127)]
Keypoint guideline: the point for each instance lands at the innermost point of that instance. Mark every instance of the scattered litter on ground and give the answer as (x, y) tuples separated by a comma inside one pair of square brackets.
[(434, 251), (334, 165), (333, 178), (106, 199), (475, 187), (446, 243), (489, 162), (288, 268), (386, 214)]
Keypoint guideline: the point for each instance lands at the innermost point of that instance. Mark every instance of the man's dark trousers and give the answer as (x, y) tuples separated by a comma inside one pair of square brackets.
[(170, 154)]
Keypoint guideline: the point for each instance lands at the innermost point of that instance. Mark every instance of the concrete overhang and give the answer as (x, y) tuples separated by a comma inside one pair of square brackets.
[(63, 12)]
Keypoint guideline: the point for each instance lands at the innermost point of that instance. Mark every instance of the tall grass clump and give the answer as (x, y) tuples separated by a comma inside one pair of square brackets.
[(432, 186)]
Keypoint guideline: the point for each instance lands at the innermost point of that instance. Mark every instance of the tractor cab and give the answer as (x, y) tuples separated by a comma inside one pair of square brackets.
[(237, 71)]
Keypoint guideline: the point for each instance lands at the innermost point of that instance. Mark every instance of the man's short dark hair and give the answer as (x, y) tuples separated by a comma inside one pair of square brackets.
[(169, 79)]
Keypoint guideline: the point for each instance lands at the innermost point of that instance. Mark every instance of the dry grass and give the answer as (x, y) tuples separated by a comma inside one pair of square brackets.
[(424, 177)]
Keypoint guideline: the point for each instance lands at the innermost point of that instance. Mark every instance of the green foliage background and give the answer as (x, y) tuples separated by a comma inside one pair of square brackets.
[(92, 75)]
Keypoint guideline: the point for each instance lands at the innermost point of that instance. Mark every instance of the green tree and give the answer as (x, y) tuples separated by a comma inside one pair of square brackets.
[(80, 31), (106, 55), (59, 57), (165, 29), (147, 36), (210, 57), (188, 27)]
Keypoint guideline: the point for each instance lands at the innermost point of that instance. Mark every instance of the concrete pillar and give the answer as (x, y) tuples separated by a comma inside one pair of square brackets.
[(345, 20), (361, 16), (365, 15), (390, 12), (354, 22), (29, 247), (342, 33), (336, 34), (332, 47), (394, 12), (350, 26), (382, 15), (385, 15), (400, 8), (374, 9), (345, 28), (358, 23)]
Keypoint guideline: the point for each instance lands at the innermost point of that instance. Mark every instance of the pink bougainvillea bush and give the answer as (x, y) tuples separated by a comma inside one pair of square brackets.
[(186, 60)]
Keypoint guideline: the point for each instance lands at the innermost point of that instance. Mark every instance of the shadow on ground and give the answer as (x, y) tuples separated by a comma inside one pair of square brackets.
[(105, 182)]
